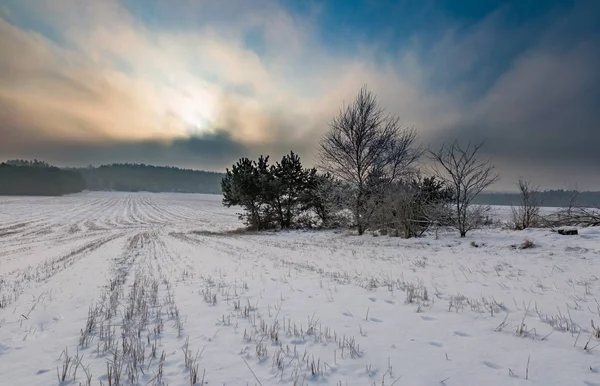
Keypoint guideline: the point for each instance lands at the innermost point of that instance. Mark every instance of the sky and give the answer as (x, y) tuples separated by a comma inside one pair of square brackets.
[(201, 83)]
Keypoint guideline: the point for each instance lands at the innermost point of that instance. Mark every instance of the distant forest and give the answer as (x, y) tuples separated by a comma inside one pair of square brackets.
[(148, 178), (38, 178), (549, 198)]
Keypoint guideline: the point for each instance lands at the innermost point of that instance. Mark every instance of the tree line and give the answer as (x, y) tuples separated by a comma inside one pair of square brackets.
[(21, 177), (148, 178), (18, 177)]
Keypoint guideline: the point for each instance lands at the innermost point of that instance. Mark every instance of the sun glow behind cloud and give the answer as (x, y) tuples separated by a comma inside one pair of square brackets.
[(149, 83), (193, 105)]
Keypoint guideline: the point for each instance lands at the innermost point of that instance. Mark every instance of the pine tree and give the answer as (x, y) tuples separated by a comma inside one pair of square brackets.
[(241, 187)]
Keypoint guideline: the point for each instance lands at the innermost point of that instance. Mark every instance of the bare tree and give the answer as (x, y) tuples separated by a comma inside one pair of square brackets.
[(468, 177), (528, 213), (368, 149)]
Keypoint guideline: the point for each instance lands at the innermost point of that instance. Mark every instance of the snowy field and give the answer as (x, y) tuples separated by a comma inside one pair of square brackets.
[(114, 288)]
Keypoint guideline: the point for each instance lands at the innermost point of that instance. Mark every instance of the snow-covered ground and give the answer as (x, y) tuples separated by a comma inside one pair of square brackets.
[(125, 284)]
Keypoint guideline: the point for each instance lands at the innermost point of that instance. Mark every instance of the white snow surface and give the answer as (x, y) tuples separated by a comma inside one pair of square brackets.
[(105, 277)]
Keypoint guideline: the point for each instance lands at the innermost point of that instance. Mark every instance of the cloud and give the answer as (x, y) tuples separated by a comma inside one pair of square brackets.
[(207, 84), (51, 92), (544, 104), (111, 78), (203, 151)]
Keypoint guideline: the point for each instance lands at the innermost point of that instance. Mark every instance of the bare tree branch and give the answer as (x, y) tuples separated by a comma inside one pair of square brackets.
[(468, 177)]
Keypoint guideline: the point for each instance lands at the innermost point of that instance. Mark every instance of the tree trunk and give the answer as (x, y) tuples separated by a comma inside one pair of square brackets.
[(359, 224), (280, 214)]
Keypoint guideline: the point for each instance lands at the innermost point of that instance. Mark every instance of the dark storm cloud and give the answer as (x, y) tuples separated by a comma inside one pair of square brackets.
[(547, 101), (540, 117)]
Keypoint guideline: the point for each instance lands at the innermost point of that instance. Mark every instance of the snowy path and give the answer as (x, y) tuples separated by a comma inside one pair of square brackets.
[(125, 284)]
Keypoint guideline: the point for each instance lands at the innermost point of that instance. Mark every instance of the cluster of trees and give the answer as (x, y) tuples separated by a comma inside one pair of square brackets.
[(369, 150), (370, 165), (282, 195), (19, 177), (148, 178)]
